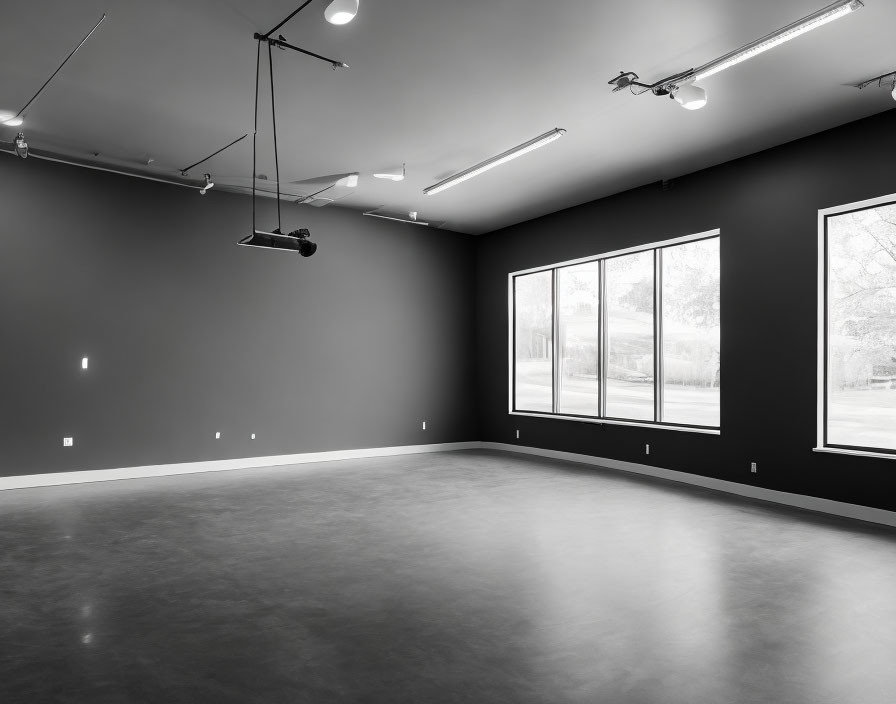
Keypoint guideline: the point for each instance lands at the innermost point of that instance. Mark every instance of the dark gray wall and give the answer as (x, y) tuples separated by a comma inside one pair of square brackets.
[(188, 334), (767, 208)]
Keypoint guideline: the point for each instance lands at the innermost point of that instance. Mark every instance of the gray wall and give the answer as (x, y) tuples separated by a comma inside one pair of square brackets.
[(188, 334), (767, 208)]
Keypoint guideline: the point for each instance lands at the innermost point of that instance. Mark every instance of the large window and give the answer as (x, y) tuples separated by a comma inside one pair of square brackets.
[(626, 337), (858, 350)]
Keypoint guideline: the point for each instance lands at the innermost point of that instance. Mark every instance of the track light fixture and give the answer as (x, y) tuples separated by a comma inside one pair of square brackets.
[(689, 96), (411, 219), (494, 161), (208, 185), (21, 145), (680, 86), (297, 240)]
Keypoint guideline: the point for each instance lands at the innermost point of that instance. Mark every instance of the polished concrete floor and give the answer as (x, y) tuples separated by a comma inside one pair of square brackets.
[(457, 577)]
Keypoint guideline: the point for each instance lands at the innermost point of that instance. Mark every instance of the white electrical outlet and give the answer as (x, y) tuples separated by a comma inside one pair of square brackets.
[(424, 425), (217, 436), (517, 434), (646, 449), (84, 362), (753, 467), (253, 436), (68, 442)]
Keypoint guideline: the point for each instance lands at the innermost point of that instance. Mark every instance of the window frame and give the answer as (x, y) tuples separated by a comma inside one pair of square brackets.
[(822, 444), (602, 419)]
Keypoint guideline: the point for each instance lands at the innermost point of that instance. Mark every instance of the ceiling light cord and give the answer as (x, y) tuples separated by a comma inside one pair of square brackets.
[(186, 170), (255, 128), (274, 123), (47, 82), (288, 18)]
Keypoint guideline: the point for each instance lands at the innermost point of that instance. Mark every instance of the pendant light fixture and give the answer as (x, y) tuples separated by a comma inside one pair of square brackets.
[(681, 86), (297, 240)]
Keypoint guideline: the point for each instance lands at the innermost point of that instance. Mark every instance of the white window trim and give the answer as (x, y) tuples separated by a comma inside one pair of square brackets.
[(583, 260), (824, 213)]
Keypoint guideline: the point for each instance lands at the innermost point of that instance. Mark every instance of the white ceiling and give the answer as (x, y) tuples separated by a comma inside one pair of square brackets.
[(439, 85)]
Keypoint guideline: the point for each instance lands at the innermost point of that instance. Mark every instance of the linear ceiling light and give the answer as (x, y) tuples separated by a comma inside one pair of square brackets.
[(785, 34), (494, 161), (411, 219), (673, 85)]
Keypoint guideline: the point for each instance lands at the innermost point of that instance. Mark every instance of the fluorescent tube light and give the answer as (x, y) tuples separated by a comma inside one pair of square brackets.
[(411, 219), (813, 21), (481, 167)]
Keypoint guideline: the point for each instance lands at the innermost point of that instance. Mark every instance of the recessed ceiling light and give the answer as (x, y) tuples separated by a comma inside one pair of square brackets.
[(341, 11)]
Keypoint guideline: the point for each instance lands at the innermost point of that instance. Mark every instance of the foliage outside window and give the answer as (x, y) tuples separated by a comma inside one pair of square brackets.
[(628, 337), (859, 385)]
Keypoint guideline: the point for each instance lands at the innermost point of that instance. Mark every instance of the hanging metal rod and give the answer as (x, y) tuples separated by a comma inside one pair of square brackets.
[(283, 44), (184, 171), (288, 18), (19, 113)]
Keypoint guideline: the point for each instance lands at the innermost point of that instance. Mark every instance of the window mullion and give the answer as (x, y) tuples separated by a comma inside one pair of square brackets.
[(658, 335), (602, 352), (555, 336)]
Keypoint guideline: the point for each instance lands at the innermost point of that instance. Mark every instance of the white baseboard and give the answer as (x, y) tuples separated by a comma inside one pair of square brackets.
[(164, 470), (809, 503)]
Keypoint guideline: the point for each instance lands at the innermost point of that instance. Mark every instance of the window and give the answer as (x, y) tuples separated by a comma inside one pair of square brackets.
[(578, 311), (630, 339), (533, 334), (858, 342), (627, 337), (691, 373)]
